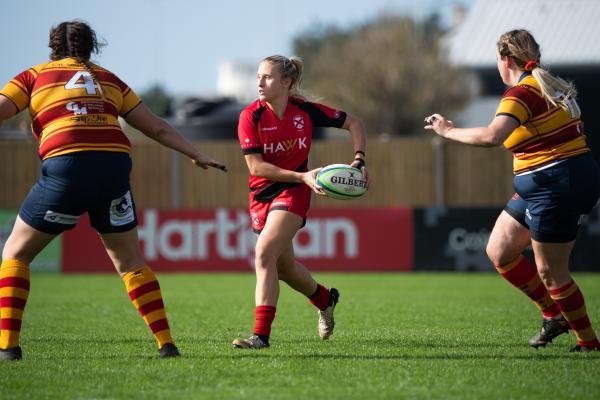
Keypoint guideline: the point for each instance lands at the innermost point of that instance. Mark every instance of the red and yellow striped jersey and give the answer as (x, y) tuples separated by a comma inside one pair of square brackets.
[(547, 133), (68, 113)]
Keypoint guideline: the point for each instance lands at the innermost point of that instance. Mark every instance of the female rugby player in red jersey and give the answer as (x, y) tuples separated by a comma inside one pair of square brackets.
[(275, 134), (74, 107), (557, 183)]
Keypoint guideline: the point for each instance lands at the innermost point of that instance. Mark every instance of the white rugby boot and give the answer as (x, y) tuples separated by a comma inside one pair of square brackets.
[(326, 321)]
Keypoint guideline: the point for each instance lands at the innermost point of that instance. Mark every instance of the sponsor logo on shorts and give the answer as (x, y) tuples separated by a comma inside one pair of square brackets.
[(60, 218), (255, 219), (527, 213), (121, 210)]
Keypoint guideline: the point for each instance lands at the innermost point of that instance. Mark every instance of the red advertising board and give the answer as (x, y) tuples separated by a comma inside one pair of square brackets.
[(352, 239)]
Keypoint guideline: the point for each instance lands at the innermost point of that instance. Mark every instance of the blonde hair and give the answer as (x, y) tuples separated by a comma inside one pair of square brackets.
[(289, 68), (520, 45)]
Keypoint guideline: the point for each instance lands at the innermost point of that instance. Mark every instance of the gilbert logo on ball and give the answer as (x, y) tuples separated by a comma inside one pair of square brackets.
[(342, 182)]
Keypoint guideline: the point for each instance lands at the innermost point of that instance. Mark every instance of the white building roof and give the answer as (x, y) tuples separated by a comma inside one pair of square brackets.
[(568, 31)]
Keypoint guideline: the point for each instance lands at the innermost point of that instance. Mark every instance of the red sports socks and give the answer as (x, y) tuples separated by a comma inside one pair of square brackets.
[(320, 298), (572, 305), (523, 275), (264, 318)]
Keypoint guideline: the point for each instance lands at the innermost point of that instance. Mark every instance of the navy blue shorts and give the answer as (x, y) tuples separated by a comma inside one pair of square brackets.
[(553, 202), (73, 184)]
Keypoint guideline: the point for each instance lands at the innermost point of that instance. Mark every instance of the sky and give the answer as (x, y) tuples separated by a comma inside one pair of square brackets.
[(179, 44)]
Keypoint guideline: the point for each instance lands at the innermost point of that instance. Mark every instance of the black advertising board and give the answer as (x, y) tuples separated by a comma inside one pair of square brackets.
[(454, 239), (586, 253)]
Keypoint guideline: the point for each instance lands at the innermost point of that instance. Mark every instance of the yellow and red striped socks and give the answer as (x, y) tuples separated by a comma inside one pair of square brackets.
[(144, 292), (264, 318), (14, 290), (572, 305), (320, 298), (524, 276)]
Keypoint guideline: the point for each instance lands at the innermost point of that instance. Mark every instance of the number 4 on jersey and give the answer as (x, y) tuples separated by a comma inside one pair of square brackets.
[(76, 82)]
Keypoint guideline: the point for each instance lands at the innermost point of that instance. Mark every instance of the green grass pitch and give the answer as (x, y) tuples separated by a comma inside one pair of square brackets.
[(414, 335)]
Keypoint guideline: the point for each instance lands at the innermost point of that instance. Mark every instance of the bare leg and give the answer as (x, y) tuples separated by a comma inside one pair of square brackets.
[(124, 250), (295, 274), (277, 235), (142, 286), (552, 260), (508, 240), (25, 242)]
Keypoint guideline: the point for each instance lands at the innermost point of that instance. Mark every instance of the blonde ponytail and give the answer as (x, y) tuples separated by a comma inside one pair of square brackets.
[(555, 90)]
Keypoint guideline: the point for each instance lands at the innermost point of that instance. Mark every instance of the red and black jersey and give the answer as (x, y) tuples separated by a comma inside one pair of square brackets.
[(286, 142)]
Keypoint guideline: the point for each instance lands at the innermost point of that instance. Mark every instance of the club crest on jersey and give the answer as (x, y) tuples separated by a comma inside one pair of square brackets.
[(298, 122), (285, 145)]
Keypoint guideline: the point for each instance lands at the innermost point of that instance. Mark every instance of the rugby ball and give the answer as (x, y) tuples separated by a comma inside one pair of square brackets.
[(341, 181)]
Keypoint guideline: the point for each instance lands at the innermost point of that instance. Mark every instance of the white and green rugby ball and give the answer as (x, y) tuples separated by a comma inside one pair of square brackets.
[(342, 182)]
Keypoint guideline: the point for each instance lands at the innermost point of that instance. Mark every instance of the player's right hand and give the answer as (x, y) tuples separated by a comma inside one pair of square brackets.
[(310, 179)]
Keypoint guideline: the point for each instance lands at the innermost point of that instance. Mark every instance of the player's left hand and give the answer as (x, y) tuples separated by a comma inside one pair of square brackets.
[(359, 163), (203, 161)]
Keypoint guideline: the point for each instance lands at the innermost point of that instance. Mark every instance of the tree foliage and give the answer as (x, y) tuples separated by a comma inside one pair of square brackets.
[(390, 72), (158, 100)]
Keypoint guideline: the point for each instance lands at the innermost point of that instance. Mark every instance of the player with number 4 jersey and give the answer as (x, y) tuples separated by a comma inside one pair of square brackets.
[(68, 112), (74, 107)]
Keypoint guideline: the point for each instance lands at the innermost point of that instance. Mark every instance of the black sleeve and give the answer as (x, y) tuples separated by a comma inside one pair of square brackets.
[(320, 117)]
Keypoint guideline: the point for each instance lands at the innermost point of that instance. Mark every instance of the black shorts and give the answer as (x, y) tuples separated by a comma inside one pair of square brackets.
[(76, 183), (552, 202)]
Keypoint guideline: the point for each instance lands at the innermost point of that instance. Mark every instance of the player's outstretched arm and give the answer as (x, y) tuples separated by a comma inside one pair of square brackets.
[(144, 120), (492, 135)]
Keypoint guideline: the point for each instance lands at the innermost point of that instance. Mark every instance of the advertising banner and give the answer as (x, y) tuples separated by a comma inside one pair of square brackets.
[(352, 239), (586, 253), (48, 260), (455, 239)]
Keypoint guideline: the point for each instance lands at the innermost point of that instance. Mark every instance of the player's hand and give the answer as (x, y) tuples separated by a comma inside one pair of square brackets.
[(203, 161), (438, 124), (359, 164), (310, 179)]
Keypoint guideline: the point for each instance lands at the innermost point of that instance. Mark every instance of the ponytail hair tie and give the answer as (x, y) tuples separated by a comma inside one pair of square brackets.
[(531, 64)]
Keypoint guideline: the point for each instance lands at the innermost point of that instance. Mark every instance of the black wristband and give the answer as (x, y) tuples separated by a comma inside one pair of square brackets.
[(361, 163), (360, 152)]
